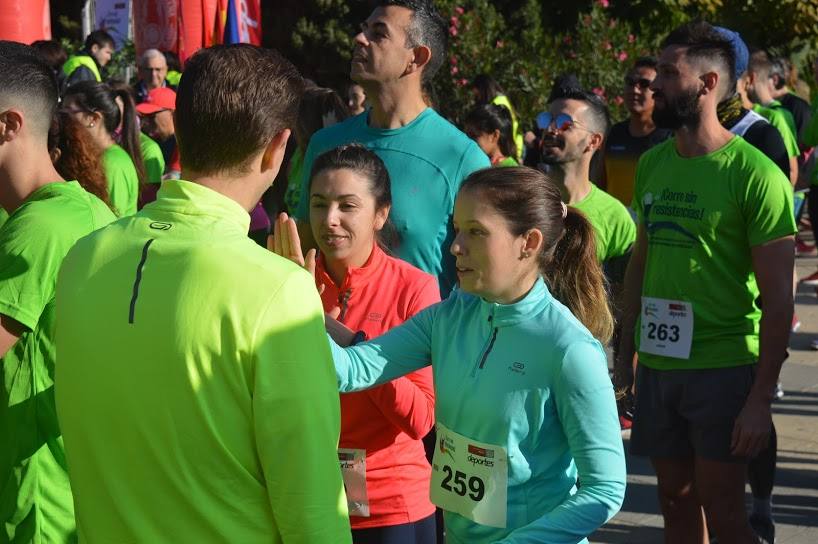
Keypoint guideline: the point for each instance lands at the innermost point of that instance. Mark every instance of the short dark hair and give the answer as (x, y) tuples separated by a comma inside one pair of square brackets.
[(486, 118), (172, 60), (427, 28), (52, 51), (28, 82), (600, 117), (232, 100), (760, 64), (703, 42), (646, 62), (100, 38)]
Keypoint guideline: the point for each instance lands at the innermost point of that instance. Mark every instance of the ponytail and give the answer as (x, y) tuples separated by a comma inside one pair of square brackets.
[(77, 156), (101, 97), (576, 278), (527, 199), (129, 139)]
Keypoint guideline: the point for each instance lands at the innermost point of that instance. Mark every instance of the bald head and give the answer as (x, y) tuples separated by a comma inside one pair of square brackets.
[(27, 85)]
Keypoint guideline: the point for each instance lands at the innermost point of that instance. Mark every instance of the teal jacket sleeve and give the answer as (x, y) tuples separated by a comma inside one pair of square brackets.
[(398, 352), (297, 417), (587, 411)]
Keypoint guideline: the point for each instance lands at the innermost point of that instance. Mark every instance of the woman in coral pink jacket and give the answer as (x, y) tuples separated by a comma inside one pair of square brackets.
[(386, 473)]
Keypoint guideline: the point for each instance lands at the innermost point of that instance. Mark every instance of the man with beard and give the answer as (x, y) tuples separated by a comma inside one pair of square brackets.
[(574, 129), (715, 231), (632, 137)]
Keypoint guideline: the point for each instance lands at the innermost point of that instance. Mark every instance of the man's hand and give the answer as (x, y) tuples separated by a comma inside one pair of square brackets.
[(751, 431), (286, 243)]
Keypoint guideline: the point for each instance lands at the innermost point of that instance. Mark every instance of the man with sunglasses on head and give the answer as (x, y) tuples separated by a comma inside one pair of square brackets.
[(715, 232), (629, 139), (574, 129)]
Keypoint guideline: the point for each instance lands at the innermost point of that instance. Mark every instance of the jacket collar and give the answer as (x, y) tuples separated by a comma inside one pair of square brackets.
[(355, 277), (507, 315), (185, 197)]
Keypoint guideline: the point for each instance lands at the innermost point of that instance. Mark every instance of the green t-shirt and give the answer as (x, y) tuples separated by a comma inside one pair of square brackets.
[(702, 216), (781, 119), (35, 498), (152, 157), (508, 161), (614, 229), (123, 182), (196, 389), (811, 137), (4, 215)]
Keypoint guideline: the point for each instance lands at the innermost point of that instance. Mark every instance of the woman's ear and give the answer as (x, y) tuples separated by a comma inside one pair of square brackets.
[(495, 136), (381, 216), (532, 243)]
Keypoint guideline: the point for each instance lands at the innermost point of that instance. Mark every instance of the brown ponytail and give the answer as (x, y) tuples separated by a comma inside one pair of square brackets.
[(528, 199), (576, 277), (129, 137)]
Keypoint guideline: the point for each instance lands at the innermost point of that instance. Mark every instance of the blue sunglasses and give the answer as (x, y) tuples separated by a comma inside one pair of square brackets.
[(561, 122)]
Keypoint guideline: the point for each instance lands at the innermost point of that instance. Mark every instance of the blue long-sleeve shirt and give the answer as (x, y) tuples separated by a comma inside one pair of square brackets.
[(528, 377)]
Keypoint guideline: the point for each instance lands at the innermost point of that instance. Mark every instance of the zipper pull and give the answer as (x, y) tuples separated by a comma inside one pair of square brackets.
[(343, 301)]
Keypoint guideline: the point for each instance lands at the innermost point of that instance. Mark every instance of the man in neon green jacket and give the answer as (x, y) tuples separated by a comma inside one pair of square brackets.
[(196, 388), (88, 63)]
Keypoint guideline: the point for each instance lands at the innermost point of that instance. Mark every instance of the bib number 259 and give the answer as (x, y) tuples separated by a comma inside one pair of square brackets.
[(457, 482)]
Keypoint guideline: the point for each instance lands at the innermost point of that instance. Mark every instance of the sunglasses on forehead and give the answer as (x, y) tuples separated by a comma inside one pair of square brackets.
[(561, 121), (641, 82)]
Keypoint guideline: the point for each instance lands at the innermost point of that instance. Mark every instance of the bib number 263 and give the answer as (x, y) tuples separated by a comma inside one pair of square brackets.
[(462, 484)]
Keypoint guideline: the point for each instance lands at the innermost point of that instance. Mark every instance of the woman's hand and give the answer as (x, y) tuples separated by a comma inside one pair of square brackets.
[(286, 243)]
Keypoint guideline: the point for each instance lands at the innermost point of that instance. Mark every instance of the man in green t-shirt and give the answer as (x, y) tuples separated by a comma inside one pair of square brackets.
[(756, 90), (715, 232), (196, 389), (46, 217), (574, 129)]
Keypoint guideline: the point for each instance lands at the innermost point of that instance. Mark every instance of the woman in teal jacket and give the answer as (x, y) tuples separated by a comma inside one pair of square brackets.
[(525, 407), (524, 403)]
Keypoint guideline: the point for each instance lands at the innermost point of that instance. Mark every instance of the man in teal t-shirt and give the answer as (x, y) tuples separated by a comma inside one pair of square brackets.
[(426, 156), (715, 232), (196, 390), (46, 217)]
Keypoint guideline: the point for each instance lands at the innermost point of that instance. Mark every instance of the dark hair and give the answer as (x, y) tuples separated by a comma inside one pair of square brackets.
[(52, 51), (80, 158), (362, 161), (528, 199), (487, 118), (232, 101), (316, 103), (487, 88), (100, 38), (101, 97), (599, 118), (760, 64), (646, 62), (29, 83), (703, 42), (427, 28), (172, 60)]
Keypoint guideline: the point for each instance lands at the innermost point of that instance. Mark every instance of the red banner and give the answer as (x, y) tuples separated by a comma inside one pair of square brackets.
[(25, 21), (184, 26), (156, 25)]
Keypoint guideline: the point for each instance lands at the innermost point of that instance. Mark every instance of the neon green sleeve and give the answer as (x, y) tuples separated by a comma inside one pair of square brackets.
[(779, 121), (296, 412)]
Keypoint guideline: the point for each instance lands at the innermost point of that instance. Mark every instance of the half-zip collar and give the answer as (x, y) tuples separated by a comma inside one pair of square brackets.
[(507, 315), (185, 197), (354, 277)]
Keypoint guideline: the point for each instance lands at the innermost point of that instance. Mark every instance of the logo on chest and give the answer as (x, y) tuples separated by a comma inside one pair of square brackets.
[(518, 368)]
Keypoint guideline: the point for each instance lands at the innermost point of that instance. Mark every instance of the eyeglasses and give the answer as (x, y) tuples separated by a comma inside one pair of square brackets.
[(641, 82), (561, 122)]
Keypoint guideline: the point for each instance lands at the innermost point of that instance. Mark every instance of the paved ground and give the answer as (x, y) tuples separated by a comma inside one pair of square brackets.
[(795, 498)]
